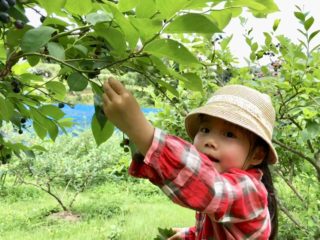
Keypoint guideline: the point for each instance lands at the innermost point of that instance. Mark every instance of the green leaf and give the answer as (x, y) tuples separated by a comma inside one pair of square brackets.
[(100, 115), (300, 16), (14, 36), (312, 35), (52, 6), (192, 23), (66, 122), (52, 129), (308, 23), (3, 52), (40, 130), (168, 87), (221, 17), (193, 82), (38, 117), (94, 18), (33, 60), (159, 65), (276, 24), (36, 38), (42, 124), (7, 109), (171, 49), (146, 27), (251, 4), (57, 88), (56, 50), (54, 21), (167, 8), (313, 128), (129, 31), (268, 39), (77, 82), (225, 42), (77, 7), (18, 13), (82, 49), (52, 111), (96, 89), (254, 47), (146, 9), (29, 77), (126, 5), (101, 134), (252, 56), (235, 11), (164, 233), (114, 37), (269, 7)]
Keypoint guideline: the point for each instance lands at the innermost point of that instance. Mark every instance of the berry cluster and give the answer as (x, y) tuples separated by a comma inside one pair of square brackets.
[(125, 144), (5, 6), (16, 85), (4, 154)]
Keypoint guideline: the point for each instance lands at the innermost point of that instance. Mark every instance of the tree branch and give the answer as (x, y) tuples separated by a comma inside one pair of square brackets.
[(290, 216)]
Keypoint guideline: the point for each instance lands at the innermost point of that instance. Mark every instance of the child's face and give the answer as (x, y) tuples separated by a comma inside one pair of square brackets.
[(225, 143)]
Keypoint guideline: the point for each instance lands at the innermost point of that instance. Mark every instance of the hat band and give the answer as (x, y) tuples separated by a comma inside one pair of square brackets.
[(243, 104)]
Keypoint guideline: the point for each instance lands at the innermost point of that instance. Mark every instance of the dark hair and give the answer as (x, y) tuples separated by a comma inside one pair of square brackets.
[(268, 183)]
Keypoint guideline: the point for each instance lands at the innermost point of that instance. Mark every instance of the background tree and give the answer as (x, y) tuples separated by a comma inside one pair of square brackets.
[(88, 36)]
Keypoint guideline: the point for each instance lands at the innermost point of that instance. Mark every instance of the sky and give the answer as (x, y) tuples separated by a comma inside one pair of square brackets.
[(288, 26)]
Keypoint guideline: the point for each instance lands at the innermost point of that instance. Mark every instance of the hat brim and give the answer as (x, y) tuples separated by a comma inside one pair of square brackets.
[(234, 115)]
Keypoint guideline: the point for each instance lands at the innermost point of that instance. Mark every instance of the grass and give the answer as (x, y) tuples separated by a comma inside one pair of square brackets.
[(114, 210)]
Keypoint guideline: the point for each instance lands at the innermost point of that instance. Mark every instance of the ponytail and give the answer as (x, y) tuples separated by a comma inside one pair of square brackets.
[(272, 202), (268, 183)]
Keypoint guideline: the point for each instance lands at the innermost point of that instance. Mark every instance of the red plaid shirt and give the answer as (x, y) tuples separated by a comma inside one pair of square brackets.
[(231, 205)]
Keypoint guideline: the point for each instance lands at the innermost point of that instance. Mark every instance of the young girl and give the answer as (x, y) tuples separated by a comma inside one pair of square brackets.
[(223, 175)]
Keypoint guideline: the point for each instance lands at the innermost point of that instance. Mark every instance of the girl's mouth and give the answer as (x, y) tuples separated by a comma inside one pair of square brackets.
[(213, 159)]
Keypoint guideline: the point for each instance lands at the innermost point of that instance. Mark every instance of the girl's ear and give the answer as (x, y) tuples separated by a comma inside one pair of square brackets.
[(258, 155)]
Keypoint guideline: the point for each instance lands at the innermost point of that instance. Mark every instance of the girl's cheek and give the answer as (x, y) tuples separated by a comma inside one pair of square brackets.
[(230, 158)]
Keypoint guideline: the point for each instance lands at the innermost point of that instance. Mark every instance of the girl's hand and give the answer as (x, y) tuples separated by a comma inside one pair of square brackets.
[(177, 235), (123, 110)]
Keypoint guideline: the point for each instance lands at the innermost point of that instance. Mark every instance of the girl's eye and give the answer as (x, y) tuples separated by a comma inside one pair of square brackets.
[(204, 130), (230, 135)]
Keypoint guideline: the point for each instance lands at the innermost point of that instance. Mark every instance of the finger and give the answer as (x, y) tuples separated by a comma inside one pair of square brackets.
[(105, 99), (116, 85), (176, 229), (109, 91)]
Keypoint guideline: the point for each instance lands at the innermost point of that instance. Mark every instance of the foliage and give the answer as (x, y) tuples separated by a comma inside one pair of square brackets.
[(87, 37), (164, 233), (73, 164), (106, 210)]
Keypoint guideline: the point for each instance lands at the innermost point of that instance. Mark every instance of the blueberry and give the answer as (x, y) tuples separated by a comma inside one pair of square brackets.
[(4, 5), (11, 2), (4, 17), (19, 24), (16, 90)]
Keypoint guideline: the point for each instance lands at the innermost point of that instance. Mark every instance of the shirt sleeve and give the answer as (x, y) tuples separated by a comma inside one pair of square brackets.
[(189, 179), (189, 233)]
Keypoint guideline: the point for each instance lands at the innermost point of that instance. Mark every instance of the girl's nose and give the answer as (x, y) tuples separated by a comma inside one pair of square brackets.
[(211, 143)]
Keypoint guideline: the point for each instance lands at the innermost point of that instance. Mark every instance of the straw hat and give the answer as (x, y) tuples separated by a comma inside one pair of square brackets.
[(242, 106)]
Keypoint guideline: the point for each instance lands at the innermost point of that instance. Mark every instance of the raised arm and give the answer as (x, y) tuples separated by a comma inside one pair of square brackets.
[(123, 110)]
